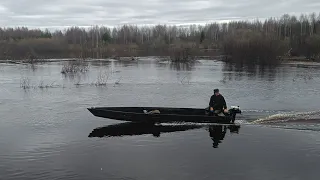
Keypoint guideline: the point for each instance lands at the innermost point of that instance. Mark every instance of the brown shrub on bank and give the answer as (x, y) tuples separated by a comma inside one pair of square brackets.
[(182, 55), (313, 47), (33, 49), (254, 47)]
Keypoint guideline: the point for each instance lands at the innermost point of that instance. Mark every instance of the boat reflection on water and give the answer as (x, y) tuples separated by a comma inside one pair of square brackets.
[(217, 132), (132, 129)]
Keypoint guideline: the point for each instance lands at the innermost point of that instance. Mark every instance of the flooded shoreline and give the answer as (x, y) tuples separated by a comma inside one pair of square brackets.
[(47, 132)]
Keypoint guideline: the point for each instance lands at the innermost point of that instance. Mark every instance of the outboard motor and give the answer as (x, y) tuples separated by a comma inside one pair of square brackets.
[(233, 111), (236, 109)]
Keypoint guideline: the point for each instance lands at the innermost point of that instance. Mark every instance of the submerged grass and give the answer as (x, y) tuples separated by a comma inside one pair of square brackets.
[(183, 81), (102, 79), (42, 85), (25, 83), (72, 67)]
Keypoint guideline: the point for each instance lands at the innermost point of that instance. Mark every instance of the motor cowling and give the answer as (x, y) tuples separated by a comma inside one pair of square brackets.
[(235, 109)]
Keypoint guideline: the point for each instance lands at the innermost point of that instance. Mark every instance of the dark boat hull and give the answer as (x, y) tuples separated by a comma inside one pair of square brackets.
[(136, 114)]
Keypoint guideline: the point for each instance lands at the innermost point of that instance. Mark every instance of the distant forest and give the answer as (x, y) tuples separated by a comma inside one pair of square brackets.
[(244, 41)]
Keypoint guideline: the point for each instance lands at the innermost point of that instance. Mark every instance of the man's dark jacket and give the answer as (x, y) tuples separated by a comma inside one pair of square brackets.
[(217, 102)]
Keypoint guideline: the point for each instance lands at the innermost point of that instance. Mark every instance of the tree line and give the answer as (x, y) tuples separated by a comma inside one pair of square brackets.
[(252, 41)]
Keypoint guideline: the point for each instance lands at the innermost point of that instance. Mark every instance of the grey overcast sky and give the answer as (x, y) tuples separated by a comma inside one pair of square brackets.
[(62, 13)]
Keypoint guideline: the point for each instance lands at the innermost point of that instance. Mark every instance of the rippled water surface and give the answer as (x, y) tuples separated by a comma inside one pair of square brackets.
[(46, 132)]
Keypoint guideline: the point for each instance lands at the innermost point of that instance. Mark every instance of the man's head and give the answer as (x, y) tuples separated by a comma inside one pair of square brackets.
[(216, 92)]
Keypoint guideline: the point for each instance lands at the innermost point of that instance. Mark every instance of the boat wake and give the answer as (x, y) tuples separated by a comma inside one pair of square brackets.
[(294, 117), (300, 127)]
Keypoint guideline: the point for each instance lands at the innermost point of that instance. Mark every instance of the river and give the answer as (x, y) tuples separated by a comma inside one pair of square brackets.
[(46, 132)]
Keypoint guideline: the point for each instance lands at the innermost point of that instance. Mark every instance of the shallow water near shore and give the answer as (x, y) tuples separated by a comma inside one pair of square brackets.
[(46, 131)]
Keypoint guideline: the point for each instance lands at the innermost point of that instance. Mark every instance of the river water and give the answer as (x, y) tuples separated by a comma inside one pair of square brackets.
[(46, 132)]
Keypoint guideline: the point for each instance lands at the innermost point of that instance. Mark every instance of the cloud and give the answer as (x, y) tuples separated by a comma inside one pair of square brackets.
[(61, 13)]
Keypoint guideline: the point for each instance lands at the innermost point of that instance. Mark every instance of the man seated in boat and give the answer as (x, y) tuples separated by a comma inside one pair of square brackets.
[(217, 104)]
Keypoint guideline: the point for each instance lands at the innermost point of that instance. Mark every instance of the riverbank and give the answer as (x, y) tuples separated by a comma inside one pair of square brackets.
[(282, 60), (244, 41), (298, 59)]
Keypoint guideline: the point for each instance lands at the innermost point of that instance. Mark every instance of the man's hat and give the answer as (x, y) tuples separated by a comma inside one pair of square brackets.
[(216, 90)]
